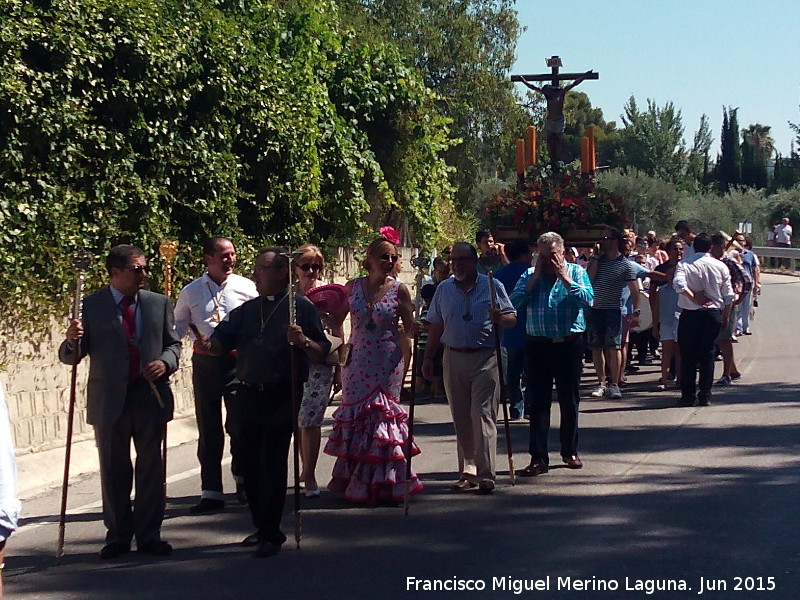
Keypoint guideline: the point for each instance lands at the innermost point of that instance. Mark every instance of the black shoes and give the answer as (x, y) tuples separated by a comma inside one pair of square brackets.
[(117, 549), (207, 506), (156, 548), (250, 540), (486, 486), (114, 550), (266, 549), (533, 469), (241, 494)]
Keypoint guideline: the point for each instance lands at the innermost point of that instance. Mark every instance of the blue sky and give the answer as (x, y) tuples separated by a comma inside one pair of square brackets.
[(700, 55)]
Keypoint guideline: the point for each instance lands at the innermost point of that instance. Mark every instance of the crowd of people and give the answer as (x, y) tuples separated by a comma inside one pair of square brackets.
[(681, 300)]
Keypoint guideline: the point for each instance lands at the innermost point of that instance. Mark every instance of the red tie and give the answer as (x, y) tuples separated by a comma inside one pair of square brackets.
[(129, 329)]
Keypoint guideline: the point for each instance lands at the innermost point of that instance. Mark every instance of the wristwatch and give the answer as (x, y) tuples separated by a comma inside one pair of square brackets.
[(307, 343), (637, 312)]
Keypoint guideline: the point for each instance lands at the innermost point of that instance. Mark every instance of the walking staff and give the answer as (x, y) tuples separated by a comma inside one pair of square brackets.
[(502, 380), (412, 397), (297, 395), (168, 251), (80, 264)]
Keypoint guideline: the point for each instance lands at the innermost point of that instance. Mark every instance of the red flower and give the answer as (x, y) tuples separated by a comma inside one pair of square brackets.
[(390, 234)]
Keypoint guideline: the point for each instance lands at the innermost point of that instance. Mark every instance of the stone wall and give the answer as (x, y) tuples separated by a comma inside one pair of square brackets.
[(37, 385)]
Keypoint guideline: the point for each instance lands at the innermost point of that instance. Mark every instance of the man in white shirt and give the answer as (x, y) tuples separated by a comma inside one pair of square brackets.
[(705, 297), (684, 231), (783, 234), (202, 305)]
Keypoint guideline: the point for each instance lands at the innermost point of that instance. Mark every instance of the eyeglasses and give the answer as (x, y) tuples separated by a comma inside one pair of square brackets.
[(138, 269), (310, 267), (392, 257), (607, 238), (460, 259)]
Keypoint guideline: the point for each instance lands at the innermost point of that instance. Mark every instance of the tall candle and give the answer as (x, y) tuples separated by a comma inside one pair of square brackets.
[(530, 146), (584, 154), (520, 157), (592, 164)]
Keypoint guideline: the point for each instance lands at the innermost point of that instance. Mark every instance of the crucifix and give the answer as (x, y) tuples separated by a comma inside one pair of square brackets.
[(554, 94)]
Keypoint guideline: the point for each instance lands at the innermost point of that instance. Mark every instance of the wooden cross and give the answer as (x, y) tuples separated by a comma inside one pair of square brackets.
[(554, 62)]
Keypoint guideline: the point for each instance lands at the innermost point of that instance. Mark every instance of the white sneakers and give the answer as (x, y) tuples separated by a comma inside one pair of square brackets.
[(598, 392), (611, 391)]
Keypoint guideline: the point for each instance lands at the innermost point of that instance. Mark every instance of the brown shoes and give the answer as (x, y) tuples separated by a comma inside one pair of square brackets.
[(462, 485), (572, 462)]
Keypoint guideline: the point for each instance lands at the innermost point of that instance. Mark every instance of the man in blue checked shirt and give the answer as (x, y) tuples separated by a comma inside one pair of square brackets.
[(553, 296)]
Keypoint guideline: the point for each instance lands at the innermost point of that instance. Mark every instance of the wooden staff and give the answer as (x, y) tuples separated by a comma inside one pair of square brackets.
[(501, 377), (80, 265), (295, 391), (412, 396), (168, 251)]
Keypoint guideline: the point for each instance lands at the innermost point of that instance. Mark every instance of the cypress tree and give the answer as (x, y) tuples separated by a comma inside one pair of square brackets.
[(730, 161)]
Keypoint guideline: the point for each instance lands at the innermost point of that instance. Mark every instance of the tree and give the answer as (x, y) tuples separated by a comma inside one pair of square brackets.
[(760, 147), (579, 113), (697, 163), (463, 50), (729, 163), (652, 140)]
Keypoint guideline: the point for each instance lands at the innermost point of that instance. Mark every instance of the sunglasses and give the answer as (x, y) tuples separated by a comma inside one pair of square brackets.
[(138, 269), (392, 257), (310, 267)]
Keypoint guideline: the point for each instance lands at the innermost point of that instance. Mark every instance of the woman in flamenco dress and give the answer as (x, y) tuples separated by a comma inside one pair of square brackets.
[(370, 430)]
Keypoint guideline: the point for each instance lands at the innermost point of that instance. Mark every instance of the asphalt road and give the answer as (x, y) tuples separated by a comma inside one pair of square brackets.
[(704, 498)]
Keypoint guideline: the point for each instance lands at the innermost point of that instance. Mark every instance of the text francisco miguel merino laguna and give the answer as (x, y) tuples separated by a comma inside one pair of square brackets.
[(594, 584)]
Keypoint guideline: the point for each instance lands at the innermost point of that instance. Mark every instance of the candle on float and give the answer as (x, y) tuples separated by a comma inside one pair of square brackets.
[(530, 146), (584, 154), (592, 164), (520, 157)]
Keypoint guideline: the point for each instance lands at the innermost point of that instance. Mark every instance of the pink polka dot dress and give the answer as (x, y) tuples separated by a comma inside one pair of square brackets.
[(370, 429)]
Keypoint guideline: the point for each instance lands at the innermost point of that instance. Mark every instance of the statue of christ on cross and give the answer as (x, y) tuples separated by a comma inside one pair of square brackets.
[(555, 95)]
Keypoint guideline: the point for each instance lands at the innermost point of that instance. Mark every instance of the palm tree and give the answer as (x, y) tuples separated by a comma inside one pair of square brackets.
[(762, 142)]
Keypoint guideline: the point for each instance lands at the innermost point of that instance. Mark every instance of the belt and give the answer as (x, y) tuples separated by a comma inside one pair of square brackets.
[(231, 354), (548, 340), (468, 350)]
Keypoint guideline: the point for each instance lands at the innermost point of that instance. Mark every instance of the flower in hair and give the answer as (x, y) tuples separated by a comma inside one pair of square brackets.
[(390, 234)]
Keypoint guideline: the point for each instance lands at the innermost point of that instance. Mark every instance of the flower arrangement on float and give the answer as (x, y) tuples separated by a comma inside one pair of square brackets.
[(567, 203)]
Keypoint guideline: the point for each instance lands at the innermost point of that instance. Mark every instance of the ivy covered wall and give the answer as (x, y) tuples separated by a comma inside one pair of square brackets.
[(144, 120)]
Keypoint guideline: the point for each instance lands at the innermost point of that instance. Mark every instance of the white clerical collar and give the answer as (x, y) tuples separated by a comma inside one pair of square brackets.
[(271, 298)]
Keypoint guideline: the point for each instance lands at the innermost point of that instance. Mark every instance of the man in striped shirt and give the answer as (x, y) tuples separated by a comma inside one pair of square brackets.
[(461, 318), (553, 296)]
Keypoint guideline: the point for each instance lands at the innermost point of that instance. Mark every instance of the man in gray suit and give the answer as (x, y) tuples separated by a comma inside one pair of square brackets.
[(129, 335)]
